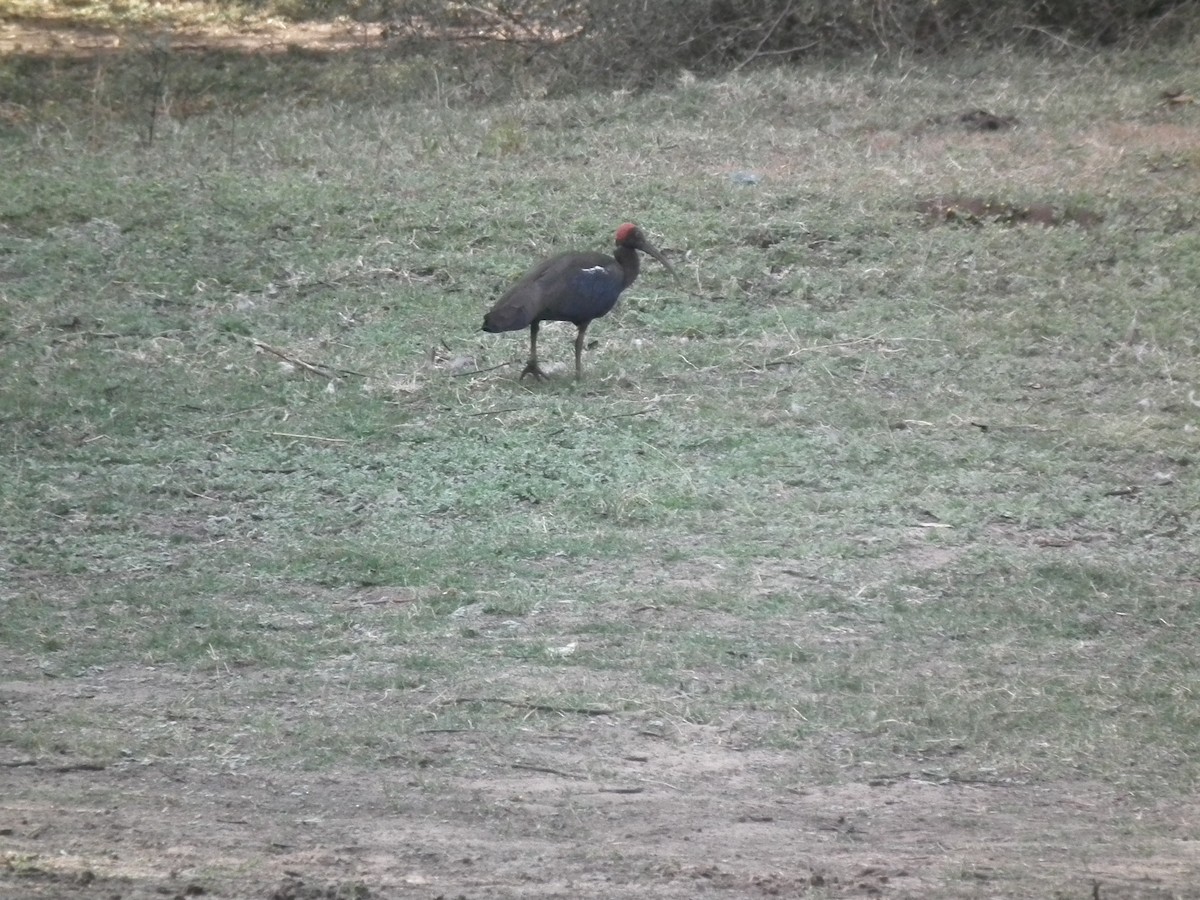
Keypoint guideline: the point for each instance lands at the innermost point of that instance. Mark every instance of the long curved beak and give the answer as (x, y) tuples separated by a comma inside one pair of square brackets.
[(646, 247)]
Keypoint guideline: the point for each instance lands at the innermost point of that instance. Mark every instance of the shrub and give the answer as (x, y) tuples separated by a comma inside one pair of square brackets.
[(632, 42)]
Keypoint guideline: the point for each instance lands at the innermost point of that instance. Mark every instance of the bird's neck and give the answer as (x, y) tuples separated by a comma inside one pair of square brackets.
[(630, 264)]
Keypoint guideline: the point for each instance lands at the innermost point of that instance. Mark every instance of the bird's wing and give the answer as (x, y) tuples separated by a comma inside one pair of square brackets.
[(571, 287), (590, 288), (591, 281)]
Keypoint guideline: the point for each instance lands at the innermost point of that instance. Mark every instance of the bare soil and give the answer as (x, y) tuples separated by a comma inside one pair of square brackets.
[(566, 805), (58, 39)]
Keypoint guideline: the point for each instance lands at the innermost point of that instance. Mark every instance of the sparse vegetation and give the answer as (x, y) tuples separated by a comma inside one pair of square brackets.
[(876, 530)]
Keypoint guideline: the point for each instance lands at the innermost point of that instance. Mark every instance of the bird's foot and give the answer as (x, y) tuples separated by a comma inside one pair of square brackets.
[(532, 368)]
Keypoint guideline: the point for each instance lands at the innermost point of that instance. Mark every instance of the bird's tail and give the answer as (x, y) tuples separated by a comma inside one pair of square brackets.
[(507, 318)]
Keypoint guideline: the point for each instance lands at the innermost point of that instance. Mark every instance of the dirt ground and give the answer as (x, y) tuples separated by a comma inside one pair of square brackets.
[(601, 806), (61, 39)]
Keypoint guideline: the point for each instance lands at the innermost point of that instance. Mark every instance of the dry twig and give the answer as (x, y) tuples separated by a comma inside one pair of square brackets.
[(315, 368), (478, 371), (307, 437), (537, 707), (549, 771)]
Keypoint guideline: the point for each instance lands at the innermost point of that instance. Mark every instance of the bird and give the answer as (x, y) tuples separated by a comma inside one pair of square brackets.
[(570, 287)]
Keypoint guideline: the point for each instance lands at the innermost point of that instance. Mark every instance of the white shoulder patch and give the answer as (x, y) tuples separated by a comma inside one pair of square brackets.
[(594, 270)]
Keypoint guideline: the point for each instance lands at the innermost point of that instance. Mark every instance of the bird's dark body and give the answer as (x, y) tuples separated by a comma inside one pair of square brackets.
[(571, 287)]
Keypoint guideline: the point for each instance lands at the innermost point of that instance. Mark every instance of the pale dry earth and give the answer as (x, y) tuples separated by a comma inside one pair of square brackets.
[(564, 805)]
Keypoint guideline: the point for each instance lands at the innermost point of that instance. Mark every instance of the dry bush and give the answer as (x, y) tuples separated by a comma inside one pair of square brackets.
[(634, 42)]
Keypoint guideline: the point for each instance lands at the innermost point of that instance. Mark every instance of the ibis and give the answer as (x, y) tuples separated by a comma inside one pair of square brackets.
[(571, 287)]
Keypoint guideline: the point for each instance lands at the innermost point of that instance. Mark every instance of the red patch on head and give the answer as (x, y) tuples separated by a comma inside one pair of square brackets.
[(625, 232)]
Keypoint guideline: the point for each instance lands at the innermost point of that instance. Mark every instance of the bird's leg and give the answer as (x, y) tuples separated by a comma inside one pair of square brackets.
[(531, 367), (579, 350)]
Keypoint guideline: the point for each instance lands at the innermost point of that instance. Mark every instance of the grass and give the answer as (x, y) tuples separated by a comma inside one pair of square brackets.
[(887, 493)]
